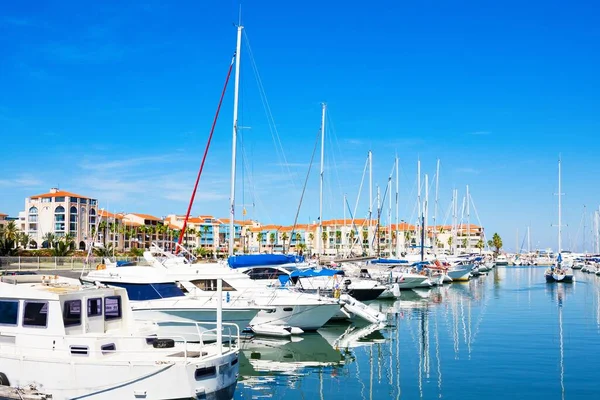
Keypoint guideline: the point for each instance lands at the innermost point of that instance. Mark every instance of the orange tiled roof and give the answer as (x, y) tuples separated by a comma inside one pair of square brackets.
[(404, 226), (147, 216), (59, 193), (3, 215), (106, 214), (131, 223)]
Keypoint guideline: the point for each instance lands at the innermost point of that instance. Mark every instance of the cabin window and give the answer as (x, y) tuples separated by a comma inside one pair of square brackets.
[(72, 313), (9, 312), (206, 372), (108, 348), (150, 291), (265, 273), (211, 285), (94, 307), (112, 308), (35, 314)]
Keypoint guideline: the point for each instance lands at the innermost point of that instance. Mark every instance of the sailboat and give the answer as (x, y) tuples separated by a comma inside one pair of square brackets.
[(559, 272)]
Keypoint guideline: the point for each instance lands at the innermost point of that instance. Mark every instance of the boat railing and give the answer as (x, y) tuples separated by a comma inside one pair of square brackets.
[(186, 348)]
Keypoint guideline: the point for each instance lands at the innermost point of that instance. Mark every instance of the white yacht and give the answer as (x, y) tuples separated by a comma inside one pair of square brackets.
[(70, 342), (280, 307), (156, 297), (501, 259)]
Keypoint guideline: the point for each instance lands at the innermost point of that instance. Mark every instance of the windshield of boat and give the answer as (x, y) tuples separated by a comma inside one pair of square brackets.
[(151, 291)]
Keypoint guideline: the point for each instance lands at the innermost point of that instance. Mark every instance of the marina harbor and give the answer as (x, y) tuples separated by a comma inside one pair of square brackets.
[(299, 200)]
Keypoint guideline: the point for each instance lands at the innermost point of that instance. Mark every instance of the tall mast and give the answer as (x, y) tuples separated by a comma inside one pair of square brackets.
[(370, 200), (559, 210), (389, 218), (425, 209), (397, 213), (234, 139), (528, 240), (468, 221), (320, 238), (378, 220), (435, 210), (344, 227), (419, 189), (584, 212)]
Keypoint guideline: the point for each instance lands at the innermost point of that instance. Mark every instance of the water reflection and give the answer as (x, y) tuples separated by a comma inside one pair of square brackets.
[(493, 337)]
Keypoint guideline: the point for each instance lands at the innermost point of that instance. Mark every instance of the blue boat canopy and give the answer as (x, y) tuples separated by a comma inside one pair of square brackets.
[(307, 273), (255, 260), (388, 261)]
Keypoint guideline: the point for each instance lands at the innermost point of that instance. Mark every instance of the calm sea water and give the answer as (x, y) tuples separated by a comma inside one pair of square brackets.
[(505, 335)]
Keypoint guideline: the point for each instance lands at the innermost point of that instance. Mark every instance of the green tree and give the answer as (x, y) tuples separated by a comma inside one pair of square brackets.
[(7, 247), (49, 238), (24, 239), (105, 251), (406, 236), (324, 236), (496, 243), (260, 236), (62, 247), (365, 236), (272, 240), (102, 227), (450, 241), (480, 245), (284, 237), (11, 231), (301, 248), (464, 243)]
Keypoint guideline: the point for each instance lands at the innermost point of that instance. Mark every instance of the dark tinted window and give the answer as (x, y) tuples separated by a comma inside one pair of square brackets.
[(72, 312), (112, 307), (9, 312), (147, 291), (265, 273), (94, 307), (35, 313)]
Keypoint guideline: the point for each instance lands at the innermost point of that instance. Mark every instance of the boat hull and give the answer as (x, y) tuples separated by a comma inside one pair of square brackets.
[(309, 317), (76, 377), (187, 323)]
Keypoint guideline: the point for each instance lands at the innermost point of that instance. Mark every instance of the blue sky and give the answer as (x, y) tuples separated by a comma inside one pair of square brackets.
[(116, 102)]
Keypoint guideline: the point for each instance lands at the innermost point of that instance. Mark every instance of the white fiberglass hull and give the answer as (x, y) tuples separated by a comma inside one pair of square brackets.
[(308, 317), (411, 281), (188, 323), (77, 377), (460, 274)]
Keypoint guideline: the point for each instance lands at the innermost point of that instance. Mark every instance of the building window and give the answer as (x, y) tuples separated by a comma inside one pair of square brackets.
[(73, 199), (46, 200), (59, 219), (59, 199), (92, 216), (33, 214), (73, 221)]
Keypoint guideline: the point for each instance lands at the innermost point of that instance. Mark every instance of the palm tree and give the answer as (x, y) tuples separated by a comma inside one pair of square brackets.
[(324, 236), (205, 230), (338, 236), (102, 227), (480, 245), (365, 236), (11, 231), (272, 240), (301, 248), (69, 240), (260, 236), (199, 236), (298, 238), (62, 248), (284, 237), (49, 239), (105, 251), (24, 239), (450, 241), (464, 243)]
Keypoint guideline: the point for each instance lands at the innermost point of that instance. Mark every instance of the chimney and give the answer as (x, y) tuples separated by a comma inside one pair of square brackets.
[(53, 190)]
